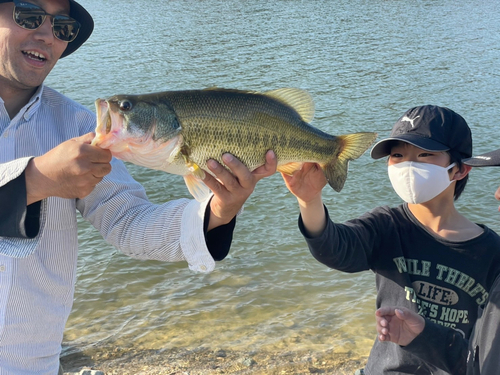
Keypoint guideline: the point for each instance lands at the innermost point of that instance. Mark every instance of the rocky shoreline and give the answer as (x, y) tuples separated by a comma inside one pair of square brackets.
[(206, 361)]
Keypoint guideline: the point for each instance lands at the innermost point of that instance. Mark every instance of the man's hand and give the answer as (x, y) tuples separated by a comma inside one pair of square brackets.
[(398, 324), (70, 170), (234, 188)]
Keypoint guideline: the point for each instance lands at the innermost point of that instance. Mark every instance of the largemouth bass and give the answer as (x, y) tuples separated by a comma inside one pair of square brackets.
[(178, 131)]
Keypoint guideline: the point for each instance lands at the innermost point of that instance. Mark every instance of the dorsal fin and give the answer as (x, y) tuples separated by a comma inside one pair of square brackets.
[(298, 99), (238, 91)]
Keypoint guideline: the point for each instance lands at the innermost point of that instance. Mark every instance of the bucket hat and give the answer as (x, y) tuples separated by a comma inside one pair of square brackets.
[(79, 13)]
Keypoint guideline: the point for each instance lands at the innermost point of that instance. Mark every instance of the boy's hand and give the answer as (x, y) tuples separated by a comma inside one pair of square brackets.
[(398, 324), (307, 183)]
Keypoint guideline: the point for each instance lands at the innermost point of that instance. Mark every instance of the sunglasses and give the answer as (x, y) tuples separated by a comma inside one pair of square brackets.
[(31, 17)]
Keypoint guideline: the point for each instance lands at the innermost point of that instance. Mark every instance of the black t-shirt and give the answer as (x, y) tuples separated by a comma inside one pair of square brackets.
[(448, 350), (444, 281), (484, 346)]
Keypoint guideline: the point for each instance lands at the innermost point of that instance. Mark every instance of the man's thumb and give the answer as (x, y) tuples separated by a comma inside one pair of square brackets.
[(86, 138)]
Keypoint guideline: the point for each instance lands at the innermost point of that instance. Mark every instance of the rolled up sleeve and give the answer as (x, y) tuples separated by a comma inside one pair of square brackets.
[(17, 219)]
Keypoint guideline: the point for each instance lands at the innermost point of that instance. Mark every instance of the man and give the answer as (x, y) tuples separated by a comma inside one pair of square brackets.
[(442, 346), (48, 170), (427, 257)]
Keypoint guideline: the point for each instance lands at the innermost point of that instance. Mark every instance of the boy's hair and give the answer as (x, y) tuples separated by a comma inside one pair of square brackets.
[(460, 185)]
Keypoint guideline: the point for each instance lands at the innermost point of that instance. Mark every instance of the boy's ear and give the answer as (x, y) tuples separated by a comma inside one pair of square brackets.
[(464, 171)]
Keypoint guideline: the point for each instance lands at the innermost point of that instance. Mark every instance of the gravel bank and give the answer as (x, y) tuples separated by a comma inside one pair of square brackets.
[(205, 361)]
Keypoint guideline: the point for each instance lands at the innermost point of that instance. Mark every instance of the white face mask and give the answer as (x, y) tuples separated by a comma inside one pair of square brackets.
[(419, 182)]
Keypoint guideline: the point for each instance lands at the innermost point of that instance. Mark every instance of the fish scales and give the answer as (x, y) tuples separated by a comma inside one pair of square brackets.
[(239, 125), (178, 131)]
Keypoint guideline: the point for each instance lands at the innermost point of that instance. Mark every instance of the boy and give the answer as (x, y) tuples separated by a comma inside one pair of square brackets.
[(427, 257), (440, 345)]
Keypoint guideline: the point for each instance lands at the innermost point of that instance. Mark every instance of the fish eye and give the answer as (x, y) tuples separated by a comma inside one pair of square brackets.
[(125, 105)]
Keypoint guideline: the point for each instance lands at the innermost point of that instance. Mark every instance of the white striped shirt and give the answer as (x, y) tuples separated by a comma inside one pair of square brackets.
[(37, 276)]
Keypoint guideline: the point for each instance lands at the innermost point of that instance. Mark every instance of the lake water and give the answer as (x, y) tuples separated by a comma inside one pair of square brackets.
[(365, 63)]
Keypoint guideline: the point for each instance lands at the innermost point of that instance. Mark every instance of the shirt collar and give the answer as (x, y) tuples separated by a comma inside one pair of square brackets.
[(29, 109)]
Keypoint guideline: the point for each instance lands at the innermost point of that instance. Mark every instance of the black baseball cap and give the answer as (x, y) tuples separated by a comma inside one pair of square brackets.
[(489, 159), (79, 13), (431, 128)]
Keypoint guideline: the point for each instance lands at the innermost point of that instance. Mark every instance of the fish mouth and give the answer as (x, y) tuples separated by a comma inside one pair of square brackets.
[(103, 117), (101, 129), (112, 132), (109, 125)]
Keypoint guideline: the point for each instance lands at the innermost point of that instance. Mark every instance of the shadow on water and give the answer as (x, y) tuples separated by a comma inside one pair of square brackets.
[(75, 359)]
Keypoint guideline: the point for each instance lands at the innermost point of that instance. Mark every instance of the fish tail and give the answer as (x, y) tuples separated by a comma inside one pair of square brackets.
[(352, 146)]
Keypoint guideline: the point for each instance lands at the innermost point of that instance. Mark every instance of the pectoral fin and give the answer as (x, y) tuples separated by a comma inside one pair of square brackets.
[(196, 187), (193, 180), (195, 170), (290, 168)]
